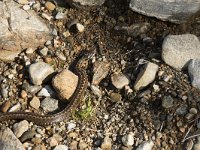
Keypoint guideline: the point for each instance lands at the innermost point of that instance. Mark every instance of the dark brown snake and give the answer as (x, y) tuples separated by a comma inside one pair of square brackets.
[(75, 99)]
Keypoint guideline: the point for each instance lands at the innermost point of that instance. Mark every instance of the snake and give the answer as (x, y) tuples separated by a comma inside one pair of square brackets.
[(74, 100)]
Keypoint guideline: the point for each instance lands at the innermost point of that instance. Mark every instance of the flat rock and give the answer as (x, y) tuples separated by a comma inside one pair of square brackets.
[(178, 50), (119, 80), (146, 76), (47, 91), (40, 72), (194, 72), (49, 104), (9, 141), (65, 84), (35, 102), (14, 38), (167, 10)]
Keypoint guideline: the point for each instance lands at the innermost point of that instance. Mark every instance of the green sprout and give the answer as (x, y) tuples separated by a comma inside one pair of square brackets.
[(86, 111)]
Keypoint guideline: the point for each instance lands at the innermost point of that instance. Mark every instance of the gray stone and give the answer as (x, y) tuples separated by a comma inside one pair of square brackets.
[(167, 101), (79, 3), (170, 10), (9, 141), (20, 128), (49, 104), (178, 50), (39, 72), (194, 72), (146, 76), (147, 145), (182, 110), (18, 32), (61, 147)]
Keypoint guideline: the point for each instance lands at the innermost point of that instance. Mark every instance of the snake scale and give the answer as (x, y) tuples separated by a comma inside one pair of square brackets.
[(77, 96)]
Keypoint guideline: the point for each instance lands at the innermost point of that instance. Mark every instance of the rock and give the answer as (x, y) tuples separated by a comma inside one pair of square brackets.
[(34, 89), (13, 37), (44, 51), (60, 15), (35, 102), (27, 135), (194, 72), (5, 106), (106, 145), (82, 145), (39, 147), (96, 91), (47, 91), (23, 94), (65, 84), (193, 111), (40, 72), (148, 145), (52, 141), (79, 3), (74, 145), (115, 97), (182, 110), (23, 2), (26, 7), (101, 70), (128, 139), (135, 29), (71, 126), (119, 80), (174, 11), (29, 51), (167, 101), (50, 6), (9, 141), (49, 104), (178, 50), (15, 108), (61, 147), (196, 146), (20, 128), (146, 76), (80, 27)]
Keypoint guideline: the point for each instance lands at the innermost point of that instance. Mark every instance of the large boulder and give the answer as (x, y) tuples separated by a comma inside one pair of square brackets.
[(170, 10), (19, 30)]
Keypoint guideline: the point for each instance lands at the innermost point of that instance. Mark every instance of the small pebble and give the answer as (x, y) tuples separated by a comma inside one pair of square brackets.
[(50, 6), (49, 104), (71, 126), (26, 7), (35, 102), (5, 106), (80, 27), (23, 94)]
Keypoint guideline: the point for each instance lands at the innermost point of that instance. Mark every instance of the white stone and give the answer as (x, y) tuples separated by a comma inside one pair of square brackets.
[(148, 145), (119, 80), (61, 147), (71, 126), (128, 139)]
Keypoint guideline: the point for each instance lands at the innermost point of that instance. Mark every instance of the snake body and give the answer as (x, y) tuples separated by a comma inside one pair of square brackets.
[(62, 115)]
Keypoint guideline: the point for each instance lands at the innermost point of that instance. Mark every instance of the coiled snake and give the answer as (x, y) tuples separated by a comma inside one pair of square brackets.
[(80, 71)]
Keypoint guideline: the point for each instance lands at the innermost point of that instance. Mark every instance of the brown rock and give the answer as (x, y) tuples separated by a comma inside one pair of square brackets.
[(50, 6), (65, 84), (5, 106)]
